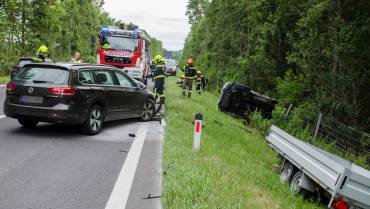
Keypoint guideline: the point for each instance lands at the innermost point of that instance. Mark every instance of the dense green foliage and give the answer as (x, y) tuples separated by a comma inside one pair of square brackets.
[(176, 55), (63, 25), (156, 47), (306, 52)]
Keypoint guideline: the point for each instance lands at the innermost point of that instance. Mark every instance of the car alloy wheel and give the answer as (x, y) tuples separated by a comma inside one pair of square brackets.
[(148, 110), (95, 120)]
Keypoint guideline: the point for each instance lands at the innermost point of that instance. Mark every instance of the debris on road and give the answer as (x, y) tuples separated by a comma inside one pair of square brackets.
[(132, 135)]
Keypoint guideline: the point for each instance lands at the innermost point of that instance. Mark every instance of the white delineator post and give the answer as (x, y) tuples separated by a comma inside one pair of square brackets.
[(197, 131)]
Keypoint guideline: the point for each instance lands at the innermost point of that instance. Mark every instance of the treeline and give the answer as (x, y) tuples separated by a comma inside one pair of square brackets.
[(63, 25), (156, 47), (314, 54)]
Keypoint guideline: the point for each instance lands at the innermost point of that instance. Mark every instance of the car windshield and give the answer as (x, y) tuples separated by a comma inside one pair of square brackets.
[(121, 43), (43, 75)]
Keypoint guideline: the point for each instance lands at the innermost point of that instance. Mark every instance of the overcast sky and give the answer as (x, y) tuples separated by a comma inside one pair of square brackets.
[(162, 19)]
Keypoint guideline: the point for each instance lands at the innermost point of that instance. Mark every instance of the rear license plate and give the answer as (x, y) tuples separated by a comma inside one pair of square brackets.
[(31, 99)]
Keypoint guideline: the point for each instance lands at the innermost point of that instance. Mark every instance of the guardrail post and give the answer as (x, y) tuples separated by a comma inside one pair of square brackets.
[(318, 124)]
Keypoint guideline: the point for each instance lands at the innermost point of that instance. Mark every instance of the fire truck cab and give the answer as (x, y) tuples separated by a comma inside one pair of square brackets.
[(124, 49)]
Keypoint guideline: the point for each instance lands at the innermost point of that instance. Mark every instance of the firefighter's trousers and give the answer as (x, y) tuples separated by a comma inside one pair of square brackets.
[(159, 89), (199, 86), (187, 87)]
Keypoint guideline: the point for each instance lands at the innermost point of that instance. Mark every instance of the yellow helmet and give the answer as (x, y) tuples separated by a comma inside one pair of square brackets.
[(43, 49), (199, 72), (159, 59), (182, 76)]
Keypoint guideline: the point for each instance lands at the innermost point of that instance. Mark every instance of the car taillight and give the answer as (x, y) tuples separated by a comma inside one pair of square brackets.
[(62, 91), (340, 204), (11, 87)]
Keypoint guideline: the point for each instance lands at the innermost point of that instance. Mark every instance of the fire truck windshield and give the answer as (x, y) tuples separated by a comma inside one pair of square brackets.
[(120, 43)]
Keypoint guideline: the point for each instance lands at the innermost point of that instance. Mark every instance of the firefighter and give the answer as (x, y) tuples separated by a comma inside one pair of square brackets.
[(41, 55), (152, 64), (204, 82), (198, 82), (190, 73), (158, 73)]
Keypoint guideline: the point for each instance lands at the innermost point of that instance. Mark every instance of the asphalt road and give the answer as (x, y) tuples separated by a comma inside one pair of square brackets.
[(57, 167)]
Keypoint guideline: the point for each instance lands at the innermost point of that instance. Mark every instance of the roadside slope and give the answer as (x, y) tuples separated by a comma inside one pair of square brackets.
[(234, 169)]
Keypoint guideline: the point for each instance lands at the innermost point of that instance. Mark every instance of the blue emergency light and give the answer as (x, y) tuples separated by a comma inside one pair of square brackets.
[(111, 32), (105, 31)]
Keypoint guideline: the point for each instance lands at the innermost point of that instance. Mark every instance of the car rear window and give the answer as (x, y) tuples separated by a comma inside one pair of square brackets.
[(43, 75)]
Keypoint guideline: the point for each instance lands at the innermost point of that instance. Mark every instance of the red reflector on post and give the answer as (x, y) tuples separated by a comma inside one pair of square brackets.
[(197, 127), (62, 91)]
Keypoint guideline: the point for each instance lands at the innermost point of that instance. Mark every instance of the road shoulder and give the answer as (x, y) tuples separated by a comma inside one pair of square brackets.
[(146, 189)]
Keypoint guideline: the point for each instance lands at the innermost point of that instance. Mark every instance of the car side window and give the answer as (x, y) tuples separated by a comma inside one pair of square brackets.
[(123, 80), (103, 77), (85, 77)]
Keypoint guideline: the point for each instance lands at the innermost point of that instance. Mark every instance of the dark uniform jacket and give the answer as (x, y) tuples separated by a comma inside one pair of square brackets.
[(190, 71), (158, 71)]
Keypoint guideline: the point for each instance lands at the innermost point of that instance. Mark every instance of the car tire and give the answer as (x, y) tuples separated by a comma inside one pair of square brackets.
[(94, 121), (28, 123), (148, 110)]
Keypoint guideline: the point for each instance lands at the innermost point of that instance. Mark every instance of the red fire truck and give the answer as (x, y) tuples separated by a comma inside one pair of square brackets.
[(124, 49)]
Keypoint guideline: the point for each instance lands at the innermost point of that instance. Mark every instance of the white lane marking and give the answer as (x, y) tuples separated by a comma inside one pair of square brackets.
[(119, 196), (2, 116)]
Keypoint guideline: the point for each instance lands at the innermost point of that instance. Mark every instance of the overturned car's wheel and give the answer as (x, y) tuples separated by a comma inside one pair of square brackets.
[(148, 110), (27, 123), (94, 121)]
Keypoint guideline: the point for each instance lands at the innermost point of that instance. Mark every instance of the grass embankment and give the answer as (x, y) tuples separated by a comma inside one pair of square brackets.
[(234, 169), (4, 79)]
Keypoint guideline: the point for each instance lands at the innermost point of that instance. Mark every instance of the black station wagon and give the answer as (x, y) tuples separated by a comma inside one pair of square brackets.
[(83, 94)]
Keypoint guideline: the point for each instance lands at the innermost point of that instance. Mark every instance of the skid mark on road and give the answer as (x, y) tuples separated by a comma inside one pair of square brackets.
[(122, 187)]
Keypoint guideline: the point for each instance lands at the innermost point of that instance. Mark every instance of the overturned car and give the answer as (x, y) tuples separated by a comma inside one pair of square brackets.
[(239, 100)]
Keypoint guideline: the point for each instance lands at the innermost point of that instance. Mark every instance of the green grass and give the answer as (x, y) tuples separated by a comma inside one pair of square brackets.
[(4, 79), (234, 168)]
